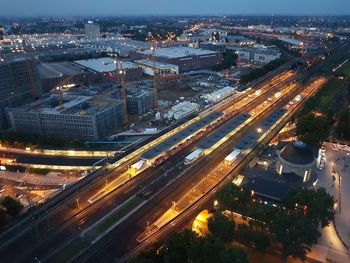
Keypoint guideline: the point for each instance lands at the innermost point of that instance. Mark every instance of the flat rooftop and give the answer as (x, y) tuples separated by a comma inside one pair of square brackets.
[(223, 131), (102, 65), (248, 141), (157, 64), (180, 136), (291, 41), (70, 104), (59, 69), (179, 52)]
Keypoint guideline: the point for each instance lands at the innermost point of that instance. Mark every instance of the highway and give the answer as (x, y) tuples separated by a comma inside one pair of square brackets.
[(77, 214), (120, 241)]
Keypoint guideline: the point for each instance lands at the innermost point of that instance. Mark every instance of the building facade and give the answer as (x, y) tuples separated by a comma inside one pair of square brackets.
[(92, 30), (77, 117), (19, 84), (298, 158), (139, 102)]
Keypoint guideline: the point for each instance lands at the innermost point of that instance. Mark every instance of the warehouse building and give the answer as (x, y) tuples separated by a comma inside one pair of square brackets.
[(107, 67), (185, 58), (53, 75), (69, 116)]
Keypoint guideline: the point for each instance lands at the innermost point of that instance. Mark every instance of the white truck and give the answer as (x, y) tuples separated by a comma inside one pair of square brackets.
[(192, 157), (232, 157), (136, 167)]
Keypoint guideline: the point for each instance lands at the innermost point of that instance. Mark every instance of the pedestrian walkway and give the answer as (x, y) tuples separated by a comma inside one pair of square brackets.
[(335, 178)]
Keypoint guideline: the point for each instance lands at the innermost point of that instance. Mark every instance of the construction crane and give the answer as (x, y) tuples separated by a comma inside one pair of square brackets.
[(155, 74), (121, 74)]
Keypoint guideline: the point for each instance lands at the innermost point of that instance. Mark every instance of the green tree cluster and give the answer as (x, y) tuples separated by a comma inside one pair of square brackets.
[(259, 72), (22, 139), (343, 127), (229, 59), (294, 223), (313, 130), (11, 206), (187, 246)]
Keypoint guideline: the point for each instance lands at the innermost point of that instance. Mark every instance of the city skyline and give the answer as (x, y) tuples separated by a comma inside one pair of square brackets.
[(181, 7)]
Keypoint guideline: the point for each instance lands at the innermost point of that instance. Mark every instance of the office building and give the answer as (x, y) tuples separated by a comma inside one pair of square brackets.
[(92, 30), (69, 116), (139, 101), (19, 84)]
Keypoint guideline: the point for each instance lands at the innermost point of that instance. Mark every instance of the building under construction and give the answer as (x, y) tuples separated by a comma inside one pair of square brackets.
[(19, 84), (185, 58), (69, 116)]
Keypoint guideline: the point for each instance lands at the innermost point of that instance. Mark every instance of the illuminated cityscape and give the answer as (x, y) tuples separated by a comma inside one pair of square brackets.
[(174, 132)]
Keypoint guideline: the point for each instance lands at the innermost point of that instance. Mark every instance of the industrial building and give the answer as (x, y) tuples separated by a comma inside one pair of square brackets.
[(69, 116), (63, 73), (139, 101), (19, 84), (182, 109), (92, 30), (219, 94), (123, 46), (150, 67), (291, 42), (260, 55), (214, 46), (185, 58), (107, 67)]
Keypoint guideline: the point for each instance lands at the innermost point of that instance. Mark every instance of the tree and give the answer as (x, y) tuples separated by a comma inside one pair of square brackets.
[(149, 255), (248, 235), (221, 227), (313, 130), (233, 198), (3, 219), (296, 233), (233, 255), (262, 215), (261, 240), (181, 247), (259, 72), (316, 205), (343, 127), (209, 249), (12, 206)]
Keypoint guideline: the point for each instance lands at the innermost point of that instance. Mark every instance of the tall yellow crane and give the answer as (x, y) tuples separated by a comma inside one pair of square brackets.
[(155, 74), (121, 76)]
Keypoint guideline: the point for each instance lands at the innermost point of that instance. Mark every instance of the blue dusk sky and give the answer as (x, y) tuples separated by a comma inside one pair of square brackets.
[(173, 7)]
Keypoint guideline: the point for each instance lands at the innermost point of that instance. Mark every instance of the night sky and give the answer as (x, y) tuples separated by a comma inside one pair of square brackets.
[(173, 7)]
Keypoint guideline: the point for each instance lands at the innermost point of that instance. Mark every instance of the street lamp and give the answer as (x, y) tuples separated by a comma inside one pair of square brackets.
[(259, 130)]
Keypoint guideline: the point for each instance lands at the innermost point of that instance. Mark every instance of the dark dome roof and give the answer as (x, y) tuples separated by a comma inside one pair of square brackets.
[(297, 153)]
